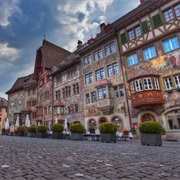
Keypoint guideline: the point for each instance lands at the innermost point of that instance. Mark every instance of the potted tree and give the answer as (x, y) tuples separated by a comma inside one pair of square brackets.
[(41, 131), (77, 131), (108, 132), (31, 131), (151, 133), (57, 130), (20, 131)]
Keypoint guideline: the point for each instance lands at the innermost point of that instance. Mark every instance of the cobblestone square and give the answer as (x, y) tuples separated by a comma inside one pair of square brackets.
[(32, 158)]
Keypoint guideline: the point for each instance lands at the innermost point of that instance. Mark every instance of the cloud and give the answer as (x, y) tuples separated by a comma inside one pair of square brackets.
[(7, 8), (8, 53)]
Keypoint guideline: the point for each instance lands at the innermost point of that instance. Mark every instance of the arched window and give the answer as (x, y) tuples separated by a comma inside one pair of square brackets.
[(148, 117)]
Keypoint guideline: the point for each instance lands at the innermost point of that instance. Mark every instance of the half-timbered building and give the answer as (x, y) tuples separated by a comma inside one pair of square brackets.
[(149, 38)]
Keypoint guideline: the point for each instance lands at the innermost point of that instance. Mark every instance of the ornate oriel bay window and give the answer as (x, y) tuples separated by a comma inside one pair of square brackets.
[(145, 89)]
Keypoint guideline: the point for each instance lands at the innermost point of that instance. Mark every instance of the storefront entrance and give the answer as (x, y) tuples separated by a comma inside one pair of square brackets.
[(173, 119)]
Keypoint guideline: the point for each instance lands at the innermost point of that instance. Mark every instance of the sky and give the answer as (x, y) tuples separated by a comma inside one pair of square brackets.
[(23, 24)]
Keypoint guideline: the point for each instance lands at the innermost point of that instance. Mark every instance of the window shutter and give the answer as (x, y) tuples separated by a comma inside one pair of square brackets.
[(144, 26), (123, 38), (156, 20)]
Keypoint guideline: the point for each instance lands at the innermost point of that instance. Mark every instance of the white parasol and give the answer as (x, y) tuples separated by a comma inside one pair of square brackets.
[(27, 121), (17, 122), (7, 124)]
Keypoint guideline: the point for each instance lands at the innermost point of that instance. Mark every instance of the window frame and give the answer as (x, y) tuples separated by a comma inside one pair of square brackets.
[(168, 83), (113, 69), (150, 54), (133, 62), (110, 49), (100, 73), (170, 44)]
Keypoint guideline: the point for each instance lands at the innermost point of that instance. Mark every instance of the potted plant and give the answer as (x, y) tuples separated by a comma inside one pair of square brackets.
[(108, 132), (31, 131), (57, 130), (41, 131), (151, 133), (134, 133), (163, 134), (3, 131), (77, 131), (20, 131)]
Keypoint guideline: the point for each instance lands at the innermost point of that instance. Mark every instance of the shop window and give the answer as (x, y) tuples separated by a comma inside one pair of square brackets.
[(173, 119)]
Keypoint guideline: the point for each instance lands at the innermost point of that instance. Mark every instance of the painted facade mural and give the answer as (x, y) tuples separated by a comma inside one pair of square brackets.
[(164, 64)]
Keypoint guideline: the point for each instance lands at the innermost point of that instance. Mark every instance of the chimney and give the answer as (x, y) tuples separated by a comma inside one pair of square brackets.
[(142, 1), (102, 26), (79, 44)]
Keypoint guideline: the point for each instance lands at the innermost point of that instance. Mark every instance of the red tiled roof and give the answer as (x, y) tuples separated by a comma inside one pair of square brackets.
[(104, 82)]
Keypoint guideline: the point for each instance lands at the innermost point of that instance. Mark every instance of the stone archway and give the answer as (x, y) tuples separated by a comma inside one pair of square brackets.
[(92, 125), (118, 121), (102, 120)]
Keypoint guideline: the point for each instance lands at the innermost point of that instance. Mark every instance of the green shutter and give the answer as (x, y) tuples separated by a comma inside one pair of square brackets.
[(144, 26), (156, 20), (123, 38)]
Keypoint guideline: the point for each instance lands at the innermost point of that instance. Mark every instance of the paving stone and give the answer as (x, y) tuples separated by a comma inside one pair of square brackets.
[(42, 159)]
